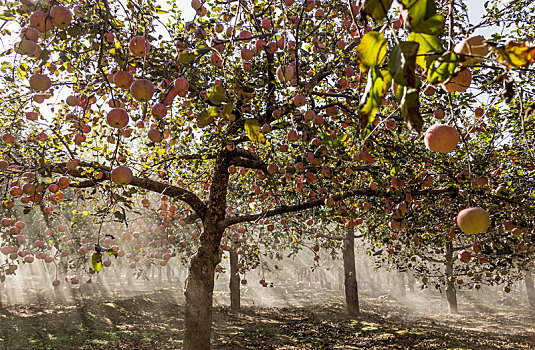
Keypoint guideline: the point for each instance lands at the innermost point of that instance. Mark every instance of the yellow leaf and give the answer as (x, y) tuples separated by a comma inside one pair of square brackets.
[(517, 54), (372, 50), (252, 128)]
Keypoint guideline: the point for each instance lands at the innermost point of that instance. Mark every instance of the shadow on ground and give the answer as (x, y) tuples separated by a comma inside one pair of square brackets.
[(102, 322)]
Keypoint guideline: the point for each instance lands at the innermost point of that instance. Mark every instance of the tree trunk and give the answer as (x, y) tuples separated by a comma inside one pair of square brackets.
[(410, 281), (451, 293), (350, 276), (530, 289), (402, 290), (234, 283), (200, 281)]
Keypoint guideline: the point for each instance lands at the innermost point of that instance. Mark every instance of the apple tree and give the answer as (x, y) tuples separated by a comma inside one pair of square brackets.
[(306, 101)]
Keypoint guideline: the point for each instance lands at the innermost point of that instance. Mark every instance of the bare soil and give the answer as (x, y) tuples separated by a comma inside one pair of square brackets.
[(307, 319)]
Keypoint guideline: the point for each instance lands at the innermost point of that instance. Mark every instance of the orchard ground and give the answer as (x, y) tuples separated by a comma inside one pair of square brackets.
[(290, 318)]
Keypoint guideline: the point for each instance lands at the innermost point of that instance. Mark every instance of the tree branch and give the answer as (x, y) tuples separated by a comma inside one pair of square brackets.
[(284, 209), (150, 185)]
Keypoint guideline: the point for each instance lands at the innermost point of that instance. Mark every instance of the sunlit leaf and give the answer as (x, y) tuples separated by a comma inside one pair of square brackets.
[(429, 48), (371, 50), (378, 83), (217, 95), (252, 128), (188, 56), (421, 16), (377, 9), (517, 54), (227, 110), (443, 68), (96, 261)]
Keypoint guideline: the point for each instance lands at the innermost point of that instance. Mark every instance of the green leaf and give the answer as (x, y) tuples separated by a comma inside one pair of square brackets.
[(402, 63), (21, 72), (433, 25), (378, 83), (443, 68), (410, 108), (421, 16), (96, 261), (429, 50), (188, 56), (377, 9), (252, 128), (227, 110), (205, 118), (213, 112), (112, 252), (7, 16), (371, 50), (217, 95)]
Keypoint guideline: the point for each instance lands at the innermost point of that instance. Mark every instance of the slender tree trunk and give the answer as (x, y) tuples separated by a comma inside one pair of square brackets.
[(200, 281), (451, 293), (410, 281), (168, 271), (234, 283), (530, 289), (350, 275), (401, 281)]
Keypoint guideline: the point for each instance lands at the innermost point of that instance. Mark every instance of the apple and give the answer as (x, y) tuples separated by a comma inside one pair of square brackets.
[(247, 54), (123, 79), (40, 21), (216, 59), (458, 82), (439, 113), (139, 46), (71, 164), (196, 4), (464, 256), (142, 90), (155, 135), (159, 111), (182, 85), (473, 220), (55, 283), (25, 47), (293, 136), (29, 34), (117, 118), (8, 138), (72, 101), (122, 175), (441, 138), (61, 17), (476, 248), (272, 168), (40, 82), (116, 103), (285, 73), (473, 50)]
